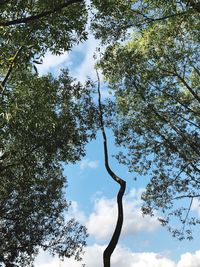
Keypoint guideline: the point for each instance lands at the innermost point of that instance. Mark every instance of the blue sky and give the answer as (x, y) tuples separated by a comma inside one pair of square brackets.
[(143, 243)]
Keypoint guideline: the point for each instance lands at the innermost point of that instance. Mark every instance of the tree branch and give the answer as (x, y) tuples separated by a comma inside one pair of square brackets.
[(178, 131), (168, 16), (3, 83), (115, 237), (40, 15), (174, 98), (149, 19), (188, 87), (196, 70), (186, 196), (176, 150), (187, 214)]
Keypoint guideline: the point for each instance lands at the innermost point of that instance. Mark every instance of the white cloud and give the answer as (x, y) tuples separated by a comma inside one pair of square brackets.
[(91, 164), (102, 221), (81, 72), (51, 61), (86, 68), (54, 63), (126, 258), (190, 260), (75, 212), (122, 257), (105, 213), (196, 206)]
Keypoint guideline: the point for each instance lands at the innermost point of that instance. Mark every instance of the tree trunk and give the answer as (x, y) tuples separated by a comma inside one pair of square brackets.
[(114, 240), (115, 237)]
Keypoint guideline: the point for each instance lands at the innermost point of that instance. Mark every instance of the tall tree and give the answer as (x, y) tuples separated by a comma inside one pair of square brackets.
[(44, 122), (155, 76)]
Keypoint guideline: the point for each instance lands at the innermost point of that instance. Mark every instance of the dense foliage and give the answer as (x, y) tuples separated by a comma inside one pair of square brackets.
[(155, 75), (44, 122), (38, 26)]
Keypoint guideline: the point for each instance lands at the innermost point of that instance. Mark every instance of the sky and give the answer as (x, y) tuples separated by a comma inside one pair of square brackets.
[(143, 242)]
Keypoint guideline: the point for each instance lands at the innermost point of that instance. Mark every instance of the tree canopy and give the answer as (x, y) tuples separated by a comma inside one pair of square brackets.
[(44, 121), (155, 76), (41, 25)]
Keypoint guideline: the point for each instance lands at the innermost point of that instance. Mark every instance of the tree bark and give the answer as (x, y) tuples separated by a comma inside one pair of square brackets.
[(115, 237)]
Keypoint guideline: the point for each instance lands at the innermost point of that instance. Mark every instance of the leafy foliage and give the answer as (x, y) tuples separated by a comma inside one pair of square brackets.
[(156, 80), (44, 121), (38, 26), (114, 19)]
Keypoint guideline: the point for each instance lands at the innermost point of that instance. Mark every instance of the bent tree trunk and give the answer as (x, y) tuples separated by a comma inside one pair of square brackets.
[(115, 237)]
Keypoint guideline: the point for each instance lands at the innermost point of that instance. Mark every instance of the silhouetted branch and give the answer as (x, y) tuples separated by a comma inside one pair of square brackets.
[(186, 196)]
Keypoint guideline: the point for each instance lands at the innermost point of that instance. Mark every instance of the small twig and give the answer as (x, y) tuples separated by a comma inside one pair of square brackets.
[(187, 214), (196, 70), (189, 88), (186, 196)]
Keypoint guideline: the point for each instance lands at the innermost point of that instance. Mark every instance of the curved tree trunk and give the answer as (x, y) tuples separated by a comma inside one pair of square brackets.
[(115, 237)]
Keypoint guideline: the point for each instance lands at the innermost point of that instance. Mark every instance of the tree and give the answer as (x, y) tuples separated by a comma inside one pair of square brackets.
[(155, 76), (112, 19), (45, 121), (40, 26)]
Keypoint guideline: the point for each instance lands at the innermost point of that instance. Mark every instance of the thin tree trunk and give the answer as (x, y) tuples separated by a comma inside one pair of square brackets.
[(115, 237)]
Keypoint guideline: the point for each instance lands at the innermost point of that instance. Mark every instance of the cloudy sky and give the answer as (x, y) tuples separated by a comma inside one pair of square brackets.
[(143, 243)]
